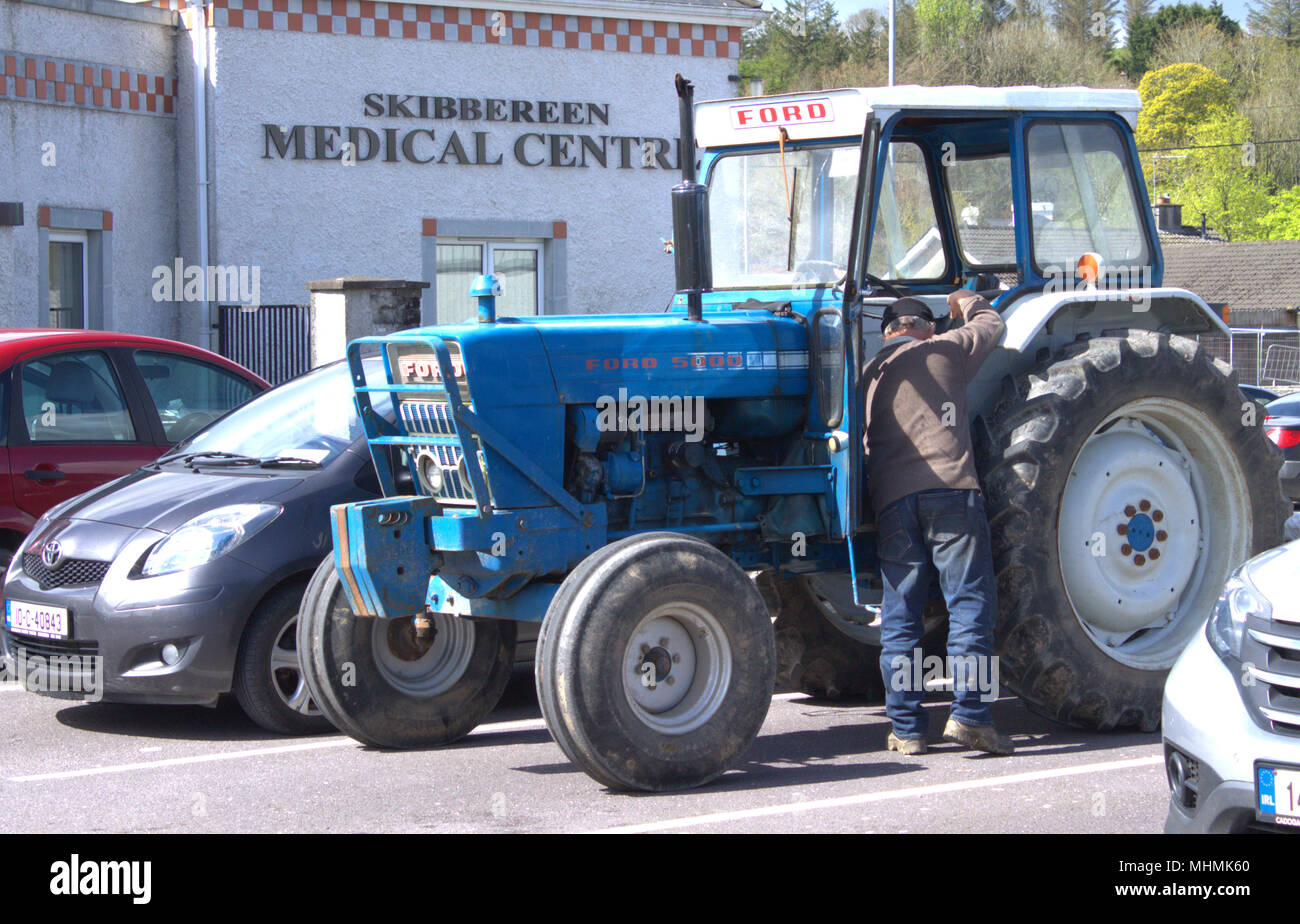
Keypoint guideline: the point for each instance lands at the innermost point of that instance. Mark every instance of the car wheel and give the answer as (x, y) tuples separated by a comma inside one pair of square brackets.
[(269, 682)]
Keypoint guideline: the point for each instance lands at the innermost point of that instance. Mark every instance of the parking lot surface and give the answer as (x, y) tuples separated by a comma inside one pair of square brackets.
[(816, 767)]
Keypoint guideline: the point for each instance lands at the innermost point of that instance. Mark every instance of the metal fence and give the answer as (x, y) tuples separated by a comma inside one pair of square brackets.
[(1267, 356), (272, 340)]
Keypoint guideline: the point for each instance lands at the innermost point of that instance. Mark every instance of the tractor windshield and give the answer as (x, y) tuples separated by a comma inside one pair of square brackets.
[(777, 221)]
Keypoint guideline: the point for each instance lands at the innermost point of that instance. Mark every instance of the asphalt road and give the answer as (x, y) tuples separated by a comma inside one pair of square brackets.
[(816, 767)]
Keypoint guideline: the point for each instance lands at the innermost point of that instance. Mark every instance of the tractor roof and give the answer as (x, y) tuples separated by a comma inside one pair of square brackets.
[(841, 113)]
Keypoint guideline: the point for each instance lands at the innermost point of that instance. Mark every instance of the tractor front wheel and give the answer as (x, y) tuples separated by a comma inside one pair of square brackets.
[(390, 683), (655, 663)]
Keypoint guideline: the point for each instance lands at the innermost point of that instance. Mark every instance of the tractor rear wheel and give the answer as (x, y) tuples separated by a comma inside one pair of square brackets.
[(387, 683), (656, 663), (829, 646), (1125, 480)]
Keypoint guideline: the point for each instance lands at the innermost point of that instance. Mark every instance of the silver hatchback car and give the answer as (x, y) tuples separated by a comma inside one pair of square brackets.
[(1232, 707)]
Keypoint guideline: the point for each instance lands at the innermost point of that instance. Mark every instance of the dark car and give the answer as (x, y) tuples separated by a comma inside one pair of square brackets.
[(79, 408), (1282, 424), (181, 581), (1256, 393)]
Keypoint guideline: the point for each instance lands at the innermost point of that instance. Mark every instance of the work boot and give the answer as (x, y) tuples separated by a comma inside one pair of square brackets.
[(909, 746), (978, 737)]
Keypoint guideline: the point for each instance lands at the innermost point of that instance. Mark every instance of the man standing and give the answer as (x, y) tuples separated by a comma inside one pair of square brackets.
[(930, 513)]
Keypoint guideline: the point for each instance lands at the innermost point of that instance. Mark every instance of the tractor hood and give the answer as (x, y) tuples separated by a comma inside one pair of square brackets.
[(523, 373), (730, 354)]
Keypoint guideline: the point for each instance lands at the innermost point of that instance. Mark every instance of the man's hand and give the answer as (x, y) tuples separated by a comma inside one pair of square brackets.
[(957, 302)]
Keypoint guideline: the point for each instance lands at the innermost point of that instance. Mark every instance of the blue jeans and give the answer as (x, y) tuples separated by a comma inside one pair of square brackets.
[(944, 531)]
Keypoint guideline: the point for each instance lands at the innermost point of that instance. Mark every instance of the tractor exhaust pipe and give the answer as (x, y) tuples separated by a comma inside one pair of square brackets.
[(691, 253)]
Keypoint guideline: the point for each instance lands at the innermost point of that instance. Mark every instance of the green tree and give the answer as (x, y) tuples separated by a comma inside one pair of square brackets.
[(803, 37), (1147, 31), (1175, 100), (944, 26), (1168, 18), (1221, 178), (867, 33), (1091, 22), (1282, 223), (1278, 18)]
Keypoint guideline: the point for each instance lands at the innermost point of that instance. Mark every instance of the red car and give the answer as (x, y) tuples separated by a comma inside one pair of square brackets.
[(79, 408)]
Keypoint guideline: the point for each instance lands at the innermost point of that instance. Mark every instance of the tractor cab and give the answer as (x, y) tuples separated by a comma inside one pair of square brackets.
[(1000, 189)]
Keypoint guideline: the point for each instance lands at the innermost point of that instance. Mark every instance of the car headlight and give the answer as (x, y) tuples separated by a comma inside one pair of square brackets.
[(209, 535), (1238, 601)]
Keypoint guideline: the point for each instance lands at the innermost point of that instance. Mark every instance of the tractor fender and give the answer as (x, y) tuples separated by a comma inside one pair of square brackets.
[(1045, 320), (1166, 308)]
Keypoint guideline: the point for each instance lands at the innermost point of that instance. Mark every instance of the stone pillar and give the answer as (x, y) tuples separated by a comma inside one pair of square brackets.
[(349, 307)]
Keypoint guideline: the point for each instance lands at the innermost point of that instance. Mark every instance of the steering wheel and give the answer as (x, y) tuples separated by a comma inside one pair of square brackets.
[(888, 288), (190, 424), (820, 270)]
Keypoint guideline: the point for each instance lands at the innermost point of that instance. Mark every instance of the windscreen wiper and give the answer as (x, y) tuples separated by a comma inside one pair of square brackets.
[(288, 462), (213, 458)]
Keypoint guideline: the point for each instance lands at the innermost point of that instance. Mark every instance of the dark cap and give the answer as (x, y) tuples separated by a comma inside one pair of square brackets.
[(906, 307)]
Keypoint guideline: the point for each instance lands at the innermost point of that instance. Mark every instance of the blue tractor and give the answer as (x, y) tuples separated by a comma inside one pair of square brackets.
[(677, 499)]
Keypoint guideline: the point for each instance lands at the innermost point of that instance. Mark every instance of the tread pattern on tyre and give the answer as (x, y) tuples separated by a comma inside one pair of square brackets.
[(426, 723), (1040, 415), (586, 727)]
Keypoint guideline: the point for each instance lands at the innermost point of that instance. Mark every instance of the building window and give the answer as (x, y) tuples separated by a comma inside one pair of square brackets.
[(69, 263), (518, 264)]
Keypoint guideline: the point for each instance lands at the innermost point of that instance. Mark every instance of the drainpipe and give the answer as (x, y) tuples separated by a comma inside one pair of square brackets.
[(199, 42)]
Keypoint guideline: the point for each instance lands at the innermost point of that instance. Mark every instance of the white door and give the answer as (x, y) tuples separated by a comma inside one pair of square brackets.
[(67, 261)]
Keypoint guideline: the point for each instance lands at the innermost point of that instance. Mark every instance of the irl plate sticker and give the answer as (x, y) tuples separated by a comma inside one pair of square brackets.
[(1267, 798)]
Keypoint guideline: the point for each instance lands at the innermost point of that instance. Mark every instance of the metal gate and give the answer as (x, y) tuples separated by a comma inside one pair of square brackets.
[(272, 340), (1265, 356)]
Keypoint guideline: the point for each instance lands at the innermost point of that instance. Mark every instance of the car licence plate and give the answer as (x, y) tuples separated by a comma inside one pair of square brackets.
[(33, 619), (1277, 794)]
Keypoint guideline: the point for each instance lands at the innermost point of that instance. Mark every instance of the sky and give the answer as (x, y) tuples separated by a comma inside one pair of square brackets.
[(1236, 9)]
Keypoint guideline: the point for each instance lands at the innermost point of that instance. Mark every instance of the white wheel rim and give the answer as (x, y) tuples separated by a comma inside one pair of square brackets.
[(423, 665), (286, 673), (676, 668), (1139, 566), (833, 594)]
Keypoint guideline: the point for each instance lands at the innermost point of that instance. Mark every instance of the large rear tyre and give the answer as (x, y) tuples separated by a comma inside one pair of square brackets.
[(656, 663), (1127, 478), (387, 685), (828, 646)]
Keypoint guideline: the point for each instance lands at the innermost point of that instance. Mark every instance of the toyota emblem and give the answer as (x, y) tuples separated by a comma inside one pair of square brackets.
[(52, 554)]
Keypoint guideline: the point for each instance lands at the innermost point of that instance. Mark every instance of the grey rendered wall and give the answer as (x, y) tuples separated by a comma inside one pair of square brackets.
[(104, 160), (278, 214)]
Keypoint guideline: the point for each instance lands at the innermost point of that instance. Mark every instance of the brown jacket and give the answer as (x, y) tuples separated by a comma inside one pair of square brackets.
[(918, 435)]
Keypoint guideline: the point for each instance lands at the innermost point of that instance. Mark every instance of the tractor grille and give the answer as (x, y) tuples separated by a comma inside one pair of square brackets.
[(1271, 656), (434, 418), (70, 572)]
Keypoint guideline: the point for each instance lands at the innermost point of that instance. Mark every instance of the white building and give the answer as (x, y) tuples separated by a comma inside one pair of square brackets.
[(533, 138)]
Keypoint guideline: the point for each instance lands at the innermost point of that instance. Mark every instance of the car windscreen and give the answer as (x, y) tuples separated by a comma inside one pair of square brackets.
[(312, 417)]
